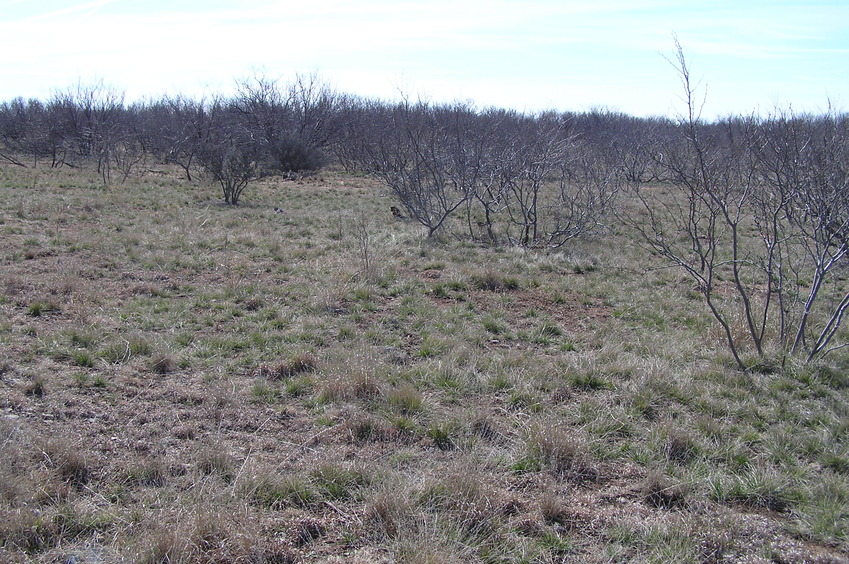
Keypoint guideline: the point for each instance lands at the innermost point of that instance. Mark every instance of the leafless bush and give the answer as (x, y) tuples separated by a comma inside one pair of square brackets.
[(527, 180), (756, 213), (803, 171)]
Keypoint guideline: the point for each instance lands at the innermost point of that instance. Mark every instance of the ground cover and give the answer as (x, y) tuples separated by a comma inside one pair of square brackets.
[(305, 378)]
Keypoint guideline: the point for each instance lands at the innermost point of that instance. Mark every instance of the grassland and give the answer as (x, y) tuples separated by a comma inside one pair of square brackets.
[(183, 381)]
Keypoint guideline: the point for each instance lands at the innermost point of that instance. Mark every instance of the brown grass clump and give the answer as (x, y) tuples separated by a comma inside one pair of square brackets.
[(562, 452), (150, 472), (678, 444), (37, 387), (208, 536), (405, 399), (494, 281), (365, 427), (465, 499), (659, 491), (553, 509), (68, 459), (365, 386), (213, 459), (390, 511), (298, 364), (163, 364), (308, 530)]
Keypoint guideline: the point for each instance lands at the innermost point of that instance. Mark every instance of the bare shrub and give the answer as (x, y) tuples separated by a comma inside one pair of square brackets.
[(755, 213)]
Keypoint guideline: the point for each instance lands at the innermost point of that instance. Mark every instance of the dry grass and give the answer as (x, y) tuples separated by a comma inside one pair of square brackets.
[(182, 381)]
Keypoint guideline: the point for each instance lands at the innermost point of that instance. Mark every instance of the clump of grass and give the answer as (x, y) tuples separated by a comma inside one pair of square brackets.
[(337, 482), (37, 309), (28, 532), (405, 399), (440, 434), (390, 510), (678, 444), (68, 460), (83, 359), (525, 400), (561, 451), (589, 380), (206, 535), (80, 379), (646, 403), (364, 386), (405, 427), (823, 515), (150, 472), (581, 264), (214, 459), (365, 427), (440, 290), (251, 303), (553, 509), (83, 338), (308, 530), (333, 390), (757, 487), (659, 491), (124, 349), (836, 463), (37, 387), (485, 427), (299, 387), (432, 347), (298, 364), (550, 330), (463, 498), (494, 282), (261, 391), (494, 326), (272, 491), (831, 376), (99, 381), (163, 363)]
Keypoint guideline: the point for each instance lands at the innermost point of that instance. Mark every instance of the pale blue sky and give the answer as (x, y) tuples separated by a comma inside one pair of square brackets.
[(524, 54)]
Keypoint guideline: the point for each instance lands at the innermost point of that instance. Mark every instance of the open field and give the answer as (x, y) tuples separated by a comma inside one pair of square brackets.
[(183, 381)]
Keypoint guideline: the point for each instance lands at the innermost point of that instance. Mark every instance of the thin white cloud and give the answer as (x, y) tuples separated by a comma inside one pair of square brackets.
[(86, 8)]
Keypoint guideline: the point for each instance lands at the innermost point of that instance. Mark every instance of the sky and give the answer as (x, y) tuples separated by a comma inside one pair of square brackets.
[(530, 55)]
